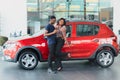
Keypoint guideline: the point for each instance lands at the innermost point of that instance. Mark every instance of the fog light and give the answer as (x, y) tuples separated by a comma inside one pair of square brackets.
[(5, 57)]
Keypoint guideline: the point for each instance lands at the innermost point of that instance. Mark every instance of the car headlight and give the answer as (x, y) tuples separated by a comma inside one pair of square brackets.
[(9, 45)]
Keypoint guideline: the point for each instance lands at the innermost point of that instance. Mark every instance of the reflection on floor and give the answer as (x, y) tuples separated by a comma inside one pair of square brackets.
[(73, 70)]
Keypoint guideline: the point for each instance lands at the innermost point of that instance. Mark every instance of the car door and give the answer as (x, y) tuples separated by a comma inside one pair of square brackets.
[(70, 34), (75, 46), (82, 44)]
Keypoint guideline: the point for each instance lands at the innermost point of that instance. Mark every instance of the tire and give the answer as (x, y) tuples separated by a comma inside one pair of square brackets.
[(28, 60), (105, 58)]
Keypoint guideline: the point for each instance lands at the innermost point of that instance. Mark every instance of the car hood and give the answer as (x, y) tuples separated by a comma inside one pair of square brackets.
[(24, 38), (38, 34), (20, 38)]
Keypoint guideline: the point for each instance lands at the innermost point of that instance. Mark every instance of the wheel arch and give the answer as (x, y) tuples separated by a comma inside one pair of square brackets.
[(105, 47), (32, 48)]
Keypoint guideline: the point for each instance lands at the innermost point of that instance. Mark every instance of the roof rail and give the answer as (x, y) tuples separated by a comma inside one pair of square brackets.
[(83, 21)]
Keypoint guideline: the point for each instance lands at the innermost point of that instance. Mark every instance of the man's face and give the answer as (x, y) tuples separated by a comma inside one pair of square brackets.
[(53, 21)]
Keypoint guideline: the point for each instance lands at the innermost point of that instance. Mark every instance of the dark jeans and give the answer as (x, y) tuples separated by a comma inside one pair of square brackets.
[(59, 55), (51, 54)]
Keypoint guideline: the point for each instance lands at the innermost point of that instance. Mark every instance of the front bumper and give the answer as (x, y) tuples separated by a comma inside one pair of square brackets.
[(6, 55), (7, 58)]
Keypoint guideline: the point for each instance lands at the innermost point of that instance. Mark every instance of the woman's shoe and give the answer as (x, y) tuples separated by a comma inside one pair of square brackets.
[(59, 68), (68, 55)]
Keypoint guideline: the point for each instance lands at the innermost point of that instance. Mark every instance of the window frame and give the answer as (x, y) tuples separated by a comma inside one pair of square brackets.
[(88, 25), (68, 31)]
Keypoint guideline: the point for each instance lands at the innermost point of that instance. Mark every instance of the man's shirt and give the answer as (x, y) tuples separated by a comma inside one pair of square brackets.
[(52, 38)]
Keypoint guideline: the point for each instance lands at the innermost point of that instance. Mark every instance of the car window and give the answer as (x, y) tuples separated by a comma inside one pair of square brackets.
[(87, 30), (68, 30)]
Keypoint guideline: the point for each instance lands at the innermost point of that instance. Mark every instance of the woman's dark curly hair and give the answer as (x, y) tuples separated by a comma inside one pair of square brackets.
[(60, 20)]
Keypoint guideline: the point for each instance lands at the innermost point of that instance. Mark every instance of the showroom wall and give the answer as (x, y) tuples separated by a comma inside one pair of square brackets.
[(13, 17), (116, 17)]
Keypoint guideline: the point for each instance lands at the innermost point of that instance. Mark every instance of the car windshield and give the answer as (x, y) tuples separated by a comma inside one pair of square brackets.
[(39, 33)]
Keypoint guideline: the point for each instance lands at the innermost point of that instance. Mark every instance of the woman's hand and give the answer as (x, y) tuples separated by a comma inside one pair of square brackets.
[(68, 44)]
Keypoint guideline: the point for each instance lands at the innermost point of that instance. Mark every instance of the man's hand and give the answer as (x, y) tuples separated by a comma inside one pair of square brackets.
[(49, 34), (54, 32)]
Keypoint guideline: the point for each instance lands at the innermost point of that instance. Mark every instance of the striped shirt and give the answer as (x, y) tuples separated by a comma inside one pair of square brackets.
[(61, 31)]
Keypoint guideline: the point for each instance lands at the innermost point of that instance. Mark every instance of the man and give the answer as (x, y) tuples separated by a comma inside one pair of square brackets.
[(50, 32)]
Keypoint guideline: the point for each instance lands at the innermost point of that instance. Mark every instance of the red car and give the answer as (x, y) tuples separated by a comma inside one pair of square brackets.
[(89, 40)]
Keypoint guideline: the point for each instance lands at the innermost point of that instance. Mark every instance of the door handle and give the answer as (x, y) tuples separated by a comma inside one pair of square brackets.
[(95, 40)]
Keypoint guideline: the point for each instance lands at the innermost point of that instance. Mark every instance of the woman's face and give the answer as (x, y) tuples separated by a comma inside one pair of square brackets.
[(61, 22)]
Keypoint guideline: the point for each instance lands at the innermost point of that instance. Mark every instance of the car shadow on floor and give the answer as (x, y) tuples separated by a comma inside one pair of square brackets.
[(73, 65)]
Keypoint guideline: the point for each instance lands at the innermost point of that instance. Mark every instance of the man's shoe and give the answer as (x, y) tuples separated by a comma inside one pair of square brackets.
[(51, 71)]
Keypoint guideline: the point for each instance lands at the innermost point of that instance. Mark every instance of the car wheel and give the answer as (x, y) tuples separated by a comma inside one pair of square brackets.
[(28, 60), (105, 58)]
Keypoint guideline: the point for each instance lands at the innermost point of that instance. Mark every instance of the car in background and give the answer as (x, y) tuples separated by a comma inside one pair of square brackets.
[(89, 40)]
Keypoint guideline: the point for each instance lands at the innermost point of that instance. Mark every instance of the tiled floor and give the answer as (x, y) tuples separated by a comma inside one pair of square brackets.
[(73, 70)]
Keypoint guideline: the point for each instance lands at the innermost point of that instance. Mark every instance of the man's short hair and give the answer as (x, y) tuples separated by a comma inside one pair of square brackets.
[(52, 17)]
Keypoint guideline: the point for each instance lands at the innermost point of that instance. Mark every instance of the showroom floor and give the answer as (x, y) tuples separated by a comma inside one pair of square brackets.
[(73, 70)]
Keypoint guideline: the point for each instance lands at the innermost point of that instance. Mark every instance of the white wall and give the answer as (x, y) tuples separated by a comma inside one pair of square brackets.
[(116, 17), (13, 16)]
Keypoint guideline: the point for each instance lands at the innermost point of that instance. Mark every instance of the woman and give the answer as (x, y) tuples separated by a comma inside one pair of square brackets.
[(60, 40)]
